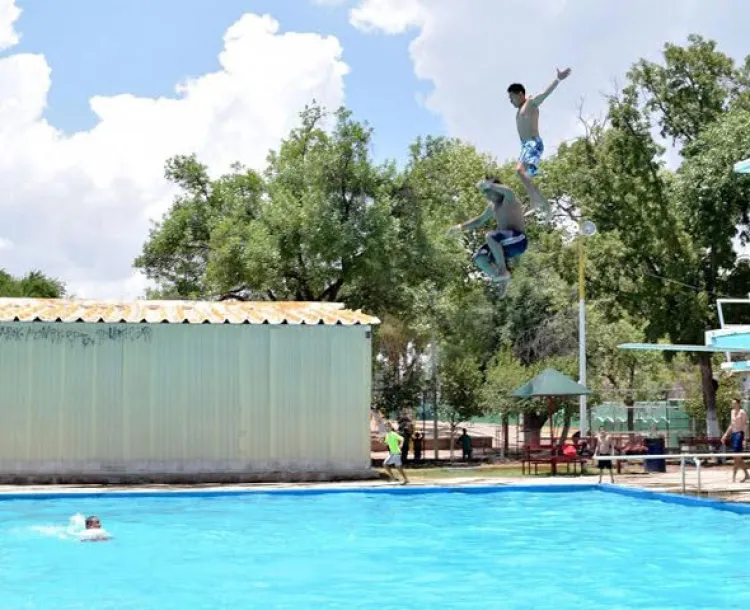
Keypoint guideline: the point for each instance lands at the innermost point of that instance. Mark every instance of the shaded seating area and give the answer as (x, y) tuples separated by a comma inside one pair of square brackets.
[(552, 456), (550, 384)]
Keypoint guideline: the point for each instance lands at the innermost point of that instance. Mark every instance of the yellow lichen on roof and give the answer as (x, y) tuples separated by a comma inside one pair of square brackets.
[(179, 312)]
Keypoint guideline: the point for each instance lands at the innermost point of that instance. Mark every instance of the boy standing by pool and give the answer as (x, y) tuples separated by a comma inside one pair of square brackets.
[(738, 431), (605, 445), (394, 441)]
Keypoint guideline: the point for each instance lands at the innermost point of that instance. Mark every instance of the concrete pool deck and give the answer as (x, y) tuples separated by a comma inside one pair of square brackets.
[(715, 483)]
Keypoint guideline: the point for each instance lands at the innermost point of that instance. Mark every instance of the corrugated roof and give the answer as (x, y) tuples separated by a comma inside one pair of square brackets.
[(179, 312)]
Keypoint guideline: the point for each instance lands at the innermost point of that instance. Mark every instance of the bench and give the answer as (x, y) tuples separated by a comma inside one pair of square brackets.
[(545, 454), (695, 443)]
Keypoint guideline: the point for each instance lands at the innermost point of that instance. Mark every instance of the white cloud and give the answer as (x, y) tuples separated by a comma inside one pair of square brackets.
[(78, 206), (389, 16), (9, 14), (470, 51), (330, 2)]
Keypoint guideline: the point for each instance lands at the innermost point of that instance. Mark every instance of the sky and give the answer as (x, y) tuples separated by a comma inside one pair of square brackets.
[(96, 95)]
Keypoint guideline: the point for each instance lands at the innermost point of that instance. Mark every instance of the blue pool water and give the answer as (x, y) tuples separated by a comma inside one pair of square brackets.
[(506, 550)]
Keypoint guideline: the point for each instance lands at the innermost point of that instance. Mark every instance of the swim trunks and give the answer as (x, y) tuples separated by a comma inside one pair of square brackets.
[(531, 154), (736, 441), (514, 243)]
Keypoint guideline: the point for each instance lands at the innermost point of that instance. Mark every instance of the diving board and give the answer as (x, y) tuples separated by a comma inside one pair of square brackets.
[(741, 366), (736, 367), (666, 347), (729, 339), (742, 167)]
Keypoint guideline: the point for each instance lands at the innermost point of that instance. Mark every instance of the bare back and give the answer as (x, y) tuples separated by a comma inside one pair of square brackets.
[(739, 421), (509, 214), (527, 120)]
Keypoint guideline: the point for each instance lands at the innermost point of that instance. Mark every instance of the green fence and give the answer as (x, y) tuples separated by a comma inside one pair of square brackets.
[(668, 417)]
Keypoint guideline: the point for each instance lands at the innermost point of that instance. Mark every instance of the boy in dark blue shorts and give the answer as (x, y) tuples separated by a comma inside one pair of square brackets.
[(736, 434), (506, 242)]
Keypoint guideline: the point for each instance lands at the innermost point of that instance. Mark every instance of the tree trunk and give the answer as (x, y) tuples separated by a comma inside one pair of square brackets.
[(631, 419), (709, 395), (565, 429), (629, 402), (532, 424)]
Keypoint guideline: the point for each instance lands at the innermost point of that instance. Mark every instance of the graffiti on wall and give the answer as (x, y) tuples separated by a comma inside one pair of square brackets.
[(73, 334)]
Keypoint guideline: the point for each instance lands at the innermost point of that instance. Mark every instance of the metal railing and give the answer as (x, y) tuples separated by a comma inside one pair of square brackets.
[(675, 456)]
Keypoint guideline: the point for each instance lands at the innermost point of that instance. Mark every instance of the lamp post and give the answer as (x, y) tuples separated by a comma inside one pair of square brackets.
[(586, 228), (434, 366)]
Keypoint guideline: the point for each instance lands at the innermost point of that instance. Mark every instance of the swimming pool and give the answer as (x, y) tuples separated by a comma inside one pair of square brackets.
[(510, 549)]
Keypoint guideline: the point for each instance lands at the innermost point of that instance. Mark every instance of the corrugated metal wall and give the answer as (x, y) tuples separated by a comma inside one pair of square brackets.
[(197, 398)]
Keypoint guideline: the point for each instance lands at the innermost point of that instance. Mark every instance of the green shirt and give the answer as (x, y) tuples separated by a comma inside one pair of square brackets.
[(394, 440)]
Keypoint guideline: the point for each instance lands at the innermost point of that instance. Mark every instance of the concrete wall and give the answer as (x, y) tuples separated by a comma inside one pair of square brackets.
[(115, 402)]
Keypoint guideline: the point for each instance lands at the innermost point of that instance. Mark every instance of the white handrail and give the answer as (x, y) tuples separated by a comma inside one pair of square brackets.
[(668, 456), (673, 456)]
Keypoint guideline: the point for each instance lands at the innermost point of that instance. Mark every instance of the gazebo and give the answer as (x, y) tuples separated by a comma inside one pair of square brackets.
[(551, 384)]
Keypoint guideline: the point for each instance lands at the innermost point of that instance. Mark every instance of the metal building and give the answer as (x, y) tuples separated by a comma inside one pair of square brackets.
[(183, 391)]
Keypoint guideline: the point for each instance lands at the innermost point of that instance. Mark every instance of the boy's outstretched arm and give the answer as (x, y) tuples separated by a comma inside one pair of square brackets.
[(474, 223), (561, 76)]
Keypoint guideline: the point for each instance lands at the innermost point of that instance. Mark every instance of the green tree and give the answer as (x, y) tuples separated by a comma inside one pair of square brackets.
[(689, 97), (399, 365), (330, 215), (628, 375), (32, 285), (318, 225), (667, 253), (507, 372), (460, 386), (198, 248), (693, 87)]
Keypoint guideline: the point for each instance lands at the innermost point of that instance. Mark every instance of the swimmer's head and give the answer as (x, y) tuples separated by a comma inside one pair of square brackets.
[(517, 94), (93, 523)]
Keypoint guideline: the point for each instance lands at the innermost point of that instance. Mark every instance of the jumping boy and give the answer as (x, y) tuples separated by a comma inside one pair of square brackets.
[(504, 243), (532, 146)]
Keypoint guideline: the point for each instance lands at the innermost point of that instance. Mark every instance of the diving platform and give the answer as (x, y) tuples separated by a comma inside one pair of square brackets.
[(729, 339)]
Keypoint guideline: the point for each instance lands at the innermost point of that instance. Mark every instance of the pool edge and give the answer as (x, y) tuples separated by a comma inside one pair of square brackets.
[(635, 492), (673, 498), (6, 496)]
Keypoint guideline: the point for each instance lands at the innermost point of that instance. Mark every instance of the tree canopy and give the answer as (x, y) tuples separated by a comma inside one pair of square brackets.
[(324, 222), (32, 285)]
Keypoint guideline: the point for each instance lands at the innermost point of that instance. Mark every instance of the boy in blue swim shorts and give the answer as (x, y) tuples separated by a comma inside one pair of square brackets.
[(736, 433), (508, 241), (532, 146)]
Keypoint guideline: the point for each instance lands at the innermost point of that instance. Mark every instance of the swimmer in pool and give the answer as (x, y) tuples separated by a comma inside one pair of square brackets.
[(93, 523), (94, 531)]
